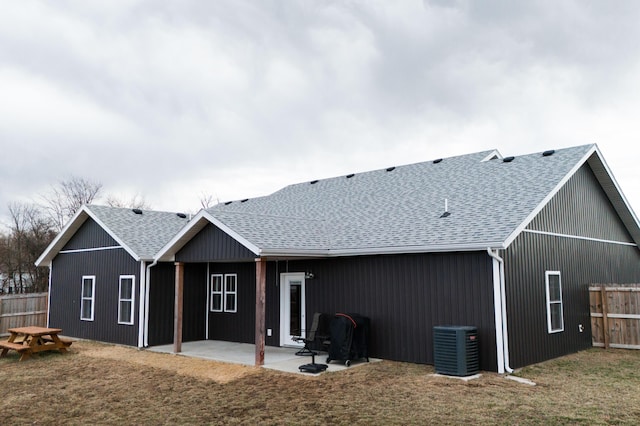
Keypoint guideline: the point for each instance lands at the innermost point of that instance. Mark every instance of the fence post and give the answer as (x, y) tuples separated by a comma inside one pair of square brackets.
[(605, 322)]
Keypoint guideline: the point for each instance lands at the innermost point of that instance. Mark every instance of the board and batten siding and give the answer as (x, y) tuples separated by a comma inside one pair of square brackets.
[(162, 303), (66, 292), (90, 235), (405, 296), (580, 209), (213, 244)]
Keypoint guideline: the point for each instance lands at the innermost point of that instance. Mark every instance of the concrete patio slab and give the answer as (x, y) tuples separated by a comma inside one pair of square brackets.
[(281, 359)]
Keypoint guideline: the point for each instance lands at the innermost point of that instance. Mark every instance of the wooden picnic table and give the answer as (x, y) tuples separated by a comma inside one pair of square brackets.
[(28, 341)]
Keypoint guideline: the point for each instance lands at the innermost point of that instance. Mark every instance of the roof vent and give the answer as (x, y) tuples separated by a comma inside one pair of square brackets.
[(390, 169), (136, 211), (548, 153), (228, 202), (181, 215), (446, 209), (313, 182), (439, 160), (350, 175), (508, 159), (244, 201)]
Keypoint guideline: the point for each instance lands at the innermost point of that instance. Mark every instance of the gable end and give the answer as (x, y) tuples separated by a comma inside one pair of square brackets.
[(582, 208), (212, 244), (90, 236)]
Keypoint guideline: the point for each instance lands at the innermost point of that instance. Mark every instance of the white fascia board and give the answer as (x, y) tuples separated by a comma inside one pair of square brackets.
[(628, 209), (494, 153), (168, 252), (114, 236), (380, 250), (63, 237), (548, 198), (233, 234)]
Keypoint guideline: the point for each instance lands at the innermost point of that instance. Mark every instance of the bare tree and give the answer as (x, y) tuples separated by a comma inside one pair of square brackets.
[(30, 233), (208, 200), (137, 201), (66, 198)]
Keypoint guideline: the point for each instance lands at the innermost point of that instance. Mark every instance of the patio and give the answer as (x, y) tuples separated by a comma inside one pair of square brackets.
[(275, 358)]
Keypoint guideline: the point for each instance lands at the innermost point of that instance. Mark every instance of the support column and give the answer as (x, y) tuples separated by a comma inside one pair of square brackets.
[(261, 278), (177, 312)]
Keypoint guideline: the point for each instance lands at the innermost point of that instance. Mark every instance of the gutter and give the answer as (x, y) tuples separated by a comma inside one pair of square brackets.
[(500, 312)]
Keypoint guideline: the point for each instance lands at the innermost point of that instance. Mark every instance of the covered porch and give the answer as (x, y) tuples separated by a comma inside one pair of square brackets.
[(275, 358)]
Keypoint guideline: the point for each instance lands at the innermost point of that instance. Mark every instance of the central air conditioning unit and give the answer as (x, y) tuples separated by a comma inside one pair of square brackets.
[(455, 350)]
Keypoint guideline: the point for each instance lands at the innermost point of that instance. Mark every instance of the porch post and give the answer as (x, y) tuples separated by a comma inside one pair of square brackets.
[(261, 278), (177, 313)]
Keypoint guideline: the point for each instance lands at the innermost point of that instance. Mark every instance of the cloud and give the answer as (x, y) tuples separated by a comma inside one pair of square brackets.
[(238, 98)]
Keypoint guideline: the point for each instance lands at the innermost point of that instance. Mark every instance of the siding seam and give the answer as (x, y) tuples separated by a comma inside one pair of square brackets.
[(578, 237), (89, 249)]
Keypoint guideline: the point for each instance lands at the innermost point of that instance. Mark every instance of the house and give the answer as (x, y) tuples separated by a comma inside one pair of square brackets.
[(99, 271), (506, 244)]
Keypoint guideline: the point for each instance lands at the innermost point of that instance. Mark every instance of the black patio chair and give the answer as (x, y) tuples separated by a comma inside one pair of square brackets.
[(316, 337)]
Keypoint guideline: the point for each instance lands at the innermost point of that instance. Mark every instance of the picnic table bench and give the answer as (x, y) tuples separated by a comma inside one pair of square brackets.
[(28, 341)]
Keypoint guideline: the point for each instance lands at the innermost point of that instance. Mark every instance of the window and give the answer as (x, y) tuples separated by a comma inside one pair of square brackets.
[(126, 296), (224, 293), (87, 297), (216, 293), (555, 320), (230, 293)]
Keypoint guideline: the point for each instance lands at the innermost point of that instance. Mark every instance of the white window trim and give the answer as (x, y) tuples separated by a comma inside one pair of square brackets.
[(132, 300), (215, 292), (223, 293), (234, 292), (92, 298), (550, 329)]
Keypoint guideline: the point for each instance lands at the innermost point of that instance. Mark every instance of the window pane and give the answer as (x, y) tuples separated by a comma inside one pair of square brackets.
[(231, 302), (87, 287), (216, 302), (217, 283), (554, 288), (125, 312), (231, 283), (86, 309), (556, 316), (126, 288)]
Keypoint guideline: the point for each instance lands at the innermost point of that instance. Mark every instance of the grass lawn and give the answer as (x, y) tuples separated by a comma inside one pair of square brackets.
[(105, 384)]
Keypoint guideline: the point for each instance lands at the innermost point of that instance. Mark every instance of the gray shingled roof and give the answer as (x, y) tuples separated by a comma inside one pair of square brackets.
[(145, 234), (141, 235), (400, 209)]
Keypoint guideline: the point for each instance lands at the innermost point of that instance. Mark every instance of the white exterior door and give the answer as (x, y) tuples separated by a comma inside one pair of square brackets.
[(292, 308)]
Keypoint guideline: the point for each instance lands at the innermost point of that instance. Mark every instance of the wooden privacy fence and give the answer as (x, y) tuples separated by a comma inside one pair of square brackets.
[(615, 315), (22, 310)]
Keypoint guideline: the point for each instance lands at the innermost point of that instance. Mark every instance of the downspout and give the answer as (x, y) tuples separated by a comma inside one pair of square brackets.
[(500, 313), (49, 293), (141, 313), (146, 303)]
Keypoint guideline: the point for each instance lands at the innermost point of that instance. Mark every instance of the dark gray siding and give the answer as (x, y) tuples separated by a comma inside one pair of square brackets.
[(405, 296), (194, 302), (238, 326), (213, 244), (162, 303), (581, 208), (580, 263), (90, 235), (66, 284)]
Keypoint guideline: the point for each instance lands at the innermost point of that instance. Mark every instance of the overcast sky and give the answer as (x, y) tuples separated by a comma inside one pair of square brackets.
[(173, 99)]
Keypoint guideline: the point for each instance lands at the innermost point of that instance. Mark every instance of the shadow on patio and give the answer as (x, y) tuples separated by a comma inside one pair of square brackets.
[(281, 359)]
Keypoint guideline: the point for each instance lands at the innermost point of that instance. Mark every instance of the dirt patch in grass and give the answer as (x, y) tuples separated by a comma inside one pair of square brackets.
[(220, 372), (105, 384)]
